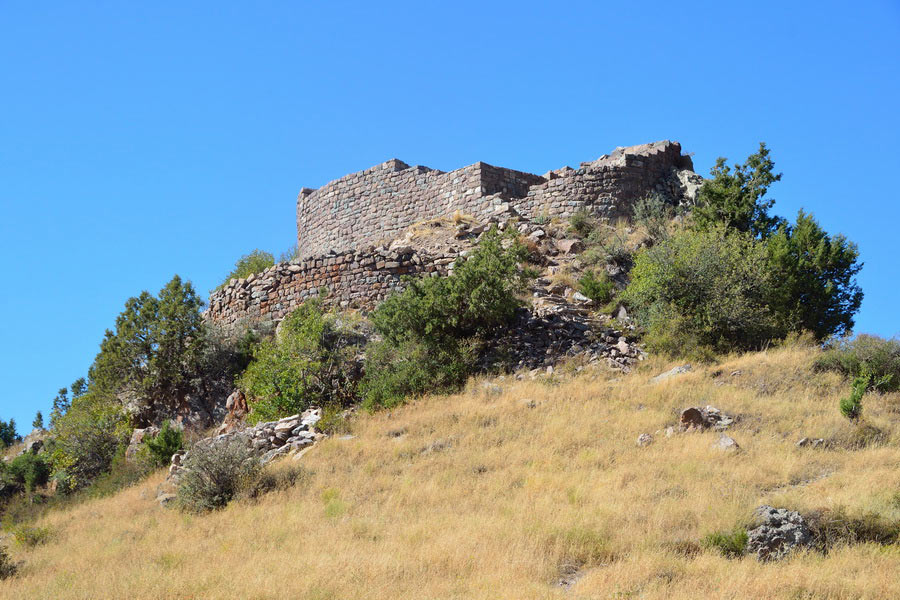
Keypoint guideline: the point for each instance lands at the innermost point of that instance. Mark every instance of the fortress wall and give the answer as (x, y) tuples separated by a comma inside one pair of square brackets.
[(609, 186), (361, 209), (353, 279), (339, 224)]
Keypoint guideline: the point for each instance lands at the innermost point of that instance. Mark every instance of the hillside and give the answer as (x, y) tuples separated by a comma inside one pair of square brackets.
[(520, 489)]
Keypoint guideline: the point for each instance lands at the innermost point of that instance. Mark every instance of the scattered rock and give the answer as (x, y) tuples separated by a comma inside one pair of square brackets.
[(671, 373), (570, 246), (726, 444), (812, 443), (645, 439), (780, 532), (696, 418)]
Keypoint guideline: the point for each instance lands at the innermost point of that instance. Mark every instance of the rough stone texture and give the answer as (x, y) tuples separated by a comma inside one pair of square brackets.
[(671, 373), (362, 208), (268, 440), (781, 531), (354, 279), (697, 418)]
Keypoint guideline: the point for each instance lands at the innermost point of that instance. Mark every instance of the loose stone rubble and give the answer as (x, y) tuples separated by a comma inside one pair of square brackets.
[(268, 440), (780, 532)]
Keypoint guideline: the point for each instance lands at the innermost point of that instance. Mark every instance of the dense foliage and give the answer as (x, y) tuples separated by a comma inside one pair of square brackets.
[(310, 361), (703, 289), (875, 358), (814, 275), (250, 264), (432, 328), (87, 438), (8, 434), (480, 296), (735, 196), (167, 442), (740, 277)]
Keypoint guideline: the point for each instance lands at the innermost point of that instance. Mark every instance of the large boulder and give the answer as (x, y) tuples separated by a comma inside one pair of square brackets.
[(780, 532)]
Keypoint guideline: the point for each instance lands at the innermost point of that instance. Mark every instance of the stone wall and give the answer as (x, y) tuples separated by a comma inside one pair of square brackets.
[(355, 279), (364, 208)]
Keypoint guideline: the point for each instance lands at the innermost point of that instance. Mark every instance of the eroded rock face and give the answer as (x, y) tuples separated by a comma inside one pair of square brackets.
[(781, 532), (137, 438)]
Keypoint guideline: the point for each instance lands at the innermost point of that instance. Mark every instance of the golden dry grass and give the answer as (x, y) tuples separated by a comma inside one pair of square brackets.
[(486, 495)]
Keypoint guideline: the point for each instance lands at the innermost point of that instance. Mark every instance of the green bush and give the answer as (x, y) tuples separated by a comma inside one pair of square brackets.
[(410, 368), (167, 442), (432, 329), (869, 356), (851, 406), (28, 470), (87, 438), (247, 265), (478, 298), (214, 473), (731, 544), (311, 362), (703, 289), (600, 288), (582, 223)]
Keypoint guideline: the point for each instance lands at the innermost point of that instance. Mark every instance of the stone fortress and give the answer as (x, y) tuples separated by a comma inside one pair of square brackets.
[(347, 230)]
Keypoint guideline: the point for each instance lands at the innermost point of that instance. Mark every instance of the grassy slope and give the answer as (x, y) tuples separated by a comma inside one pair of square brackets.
[(484, 496)]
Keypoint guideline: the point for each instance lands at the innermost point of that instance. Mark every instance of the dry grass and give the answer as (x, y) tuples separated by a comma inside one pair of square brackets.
[(485, 495)]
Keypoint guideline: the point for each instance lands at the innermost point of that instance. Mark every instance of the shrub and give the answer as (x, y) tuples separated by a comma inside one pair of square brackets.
[(731, 544), (654, 214), (167, 442), (582, 223), (334, 421), (87, 439), (410, 368), (8, 566), (214, 473), (479, 297), (311, 361), (247, 265), (851, 406), (703, 289), (29, 471), (600, 288), (31, 536), (869, 356)]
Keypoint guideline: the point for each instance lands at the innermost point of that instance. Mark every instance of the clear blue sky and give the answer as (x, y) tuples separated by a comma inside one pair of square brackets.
[(140, 140)]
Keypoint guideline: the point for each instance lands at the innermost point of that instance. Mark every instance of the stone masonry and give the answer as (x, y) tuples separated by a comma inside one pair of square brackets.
[(340, 224), (364, 208)]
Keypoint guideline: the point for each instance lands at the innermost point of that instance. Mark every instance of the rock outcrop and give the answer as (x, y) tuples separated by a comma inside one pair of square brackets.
[(780, 532)]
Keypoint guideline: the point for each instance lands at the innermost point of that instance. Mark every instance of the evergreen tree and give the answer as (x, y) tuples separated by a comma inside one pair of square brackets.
[(815, 274), (735, 197), (38, 422)]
